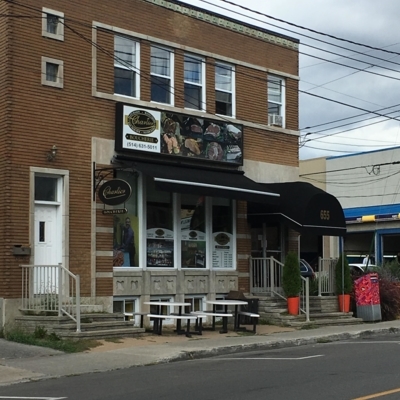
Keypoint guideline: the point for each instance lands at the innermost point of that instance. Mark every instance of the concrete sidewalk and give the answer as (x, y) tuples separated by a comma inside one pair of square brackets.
[(21, 363)]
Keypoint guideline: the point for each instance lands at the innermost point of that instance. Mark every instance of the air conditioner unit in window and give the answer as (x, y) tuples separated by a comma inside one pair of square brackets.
[(274, 119)]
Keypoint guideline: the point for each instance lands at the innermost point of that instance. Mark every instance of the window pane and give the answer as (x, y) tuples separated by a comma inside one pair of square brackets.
[(192, 70), (160, 235), (126, 228), (193, 231), (52, 23), (223, 78), (274, 108), (192, 96), (274, 89), (124, 82), (124, 51), (51, 72), (222, 233), (45, 188), (160, 61), (160, 90)]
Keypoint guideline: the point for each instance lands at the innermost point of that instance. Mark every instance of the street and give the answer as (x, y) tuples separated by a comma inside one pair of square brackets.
[(351, 369)]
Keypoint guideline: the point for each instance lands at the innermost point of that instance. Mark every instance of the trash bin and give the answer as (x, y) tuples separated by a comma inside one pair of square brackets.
[(367, 297), (252, 305)]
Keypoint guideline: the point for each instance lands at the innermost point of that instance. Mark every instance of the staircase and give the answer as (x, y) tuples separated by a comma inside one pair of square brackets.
[(93, 326), (323, 312)]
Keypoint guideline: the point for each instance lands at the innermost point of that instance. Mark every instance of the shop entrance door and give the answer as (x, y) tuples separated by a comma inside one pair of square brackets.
[(47, 239)]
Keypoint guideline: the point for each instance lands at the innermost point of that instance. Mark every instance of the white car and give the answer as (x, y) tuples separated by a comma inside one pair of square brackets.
[(360, 269)]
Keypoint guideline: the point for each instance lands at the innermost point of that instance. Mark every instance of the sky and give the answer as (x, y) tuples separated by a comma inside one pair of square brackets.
[(339, 80)]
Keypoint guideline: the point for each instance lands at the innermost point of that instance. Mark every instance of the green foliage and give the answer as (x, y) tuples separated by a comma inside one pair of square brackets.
[(343, 279), (40, 332), (291, 278), (41, 338)]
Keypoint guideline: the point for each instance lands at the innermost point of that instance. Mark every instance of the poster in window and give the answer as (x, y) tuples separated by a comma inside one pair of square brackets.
[(222, 255), (160, 248)]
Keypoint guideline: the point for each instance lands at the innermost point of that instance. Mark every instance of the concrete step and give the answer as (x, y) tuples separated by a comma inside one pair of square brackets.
[(103, 334), (94, 326), (328, 322)]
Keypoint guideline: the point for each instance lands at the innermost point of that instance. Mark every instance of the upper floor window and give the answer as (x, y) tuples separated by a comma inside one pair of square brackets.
[(52, 72), (126, 66), (52, 24), (194, 82), (276, 100), (161, 75), (224, 89)]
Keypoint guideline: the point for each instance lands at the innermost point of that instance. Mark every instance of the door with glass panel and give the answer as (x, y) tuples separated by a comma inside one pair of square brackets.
[(47, 236)]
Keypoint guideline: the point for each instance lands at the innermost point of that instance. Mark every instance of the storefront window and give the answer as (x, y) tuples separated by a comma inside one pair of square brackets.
[(126, 227), (160, 234), (193, 231), (222, 233)]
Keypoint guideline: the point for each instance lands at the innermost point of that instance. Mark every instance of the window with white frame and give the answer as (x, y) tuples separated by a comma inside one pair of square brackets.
[(276, 100), (126, 306), (52, 24), (224, 89), (162, 61), (126, 66), (194, 82), (196, 303), (52, 72)]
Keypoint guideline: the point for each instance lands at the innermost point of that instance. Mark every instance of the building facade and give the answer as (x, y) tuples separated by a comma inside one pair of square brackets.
[(367, 186), (173, 109)]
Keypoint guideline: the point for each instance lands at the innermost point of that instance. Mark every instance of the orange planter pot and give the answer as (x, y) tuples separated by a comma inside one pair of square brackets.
[(344, 302), (293, 304)]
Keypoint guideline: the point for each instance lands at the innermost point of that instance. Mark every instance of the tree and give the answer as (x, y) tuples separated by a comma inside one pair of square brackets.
[(291, 278), (343, 280)]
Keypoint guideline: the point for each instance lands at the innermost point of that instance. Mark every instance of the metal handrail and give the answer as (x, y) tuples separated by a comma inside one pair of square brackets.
[(51, 288), (265, 277)]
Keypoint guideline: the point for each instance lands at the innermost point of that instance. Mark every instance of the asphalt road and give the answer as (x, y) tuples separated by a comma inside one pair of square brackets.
[(338, 370)]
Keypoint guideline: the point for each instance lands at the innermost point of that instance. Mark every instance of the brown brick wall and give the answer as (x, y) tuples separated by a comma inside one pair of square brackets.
[(43, 116)]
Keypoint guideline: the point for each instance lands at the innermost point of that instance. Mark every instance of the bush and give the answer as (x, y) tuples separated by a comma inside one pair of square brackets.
[(343, 281), (291, 278), (390, 298)]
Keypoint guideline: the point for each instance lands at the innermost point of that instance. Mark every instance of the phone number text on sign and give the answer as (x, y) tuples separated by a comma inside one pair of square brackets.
[(142, 146)]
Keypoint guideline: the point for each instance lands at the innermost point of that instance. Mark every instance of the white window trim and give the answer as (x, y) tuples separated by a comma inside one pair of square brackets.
[(171, 77), (203, 82), (233, 91), (60, 76), (283, 96), (136, 69), (60, 28)]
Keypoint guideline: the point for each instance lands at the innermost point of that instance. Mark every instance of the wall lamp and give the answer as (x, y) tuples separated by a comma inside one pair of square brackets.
[(51, 155)]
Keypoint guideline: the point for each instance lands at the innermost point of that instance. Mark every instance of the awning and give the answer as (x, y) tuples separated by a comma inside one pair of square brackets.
[(228, 184), (302, 206)]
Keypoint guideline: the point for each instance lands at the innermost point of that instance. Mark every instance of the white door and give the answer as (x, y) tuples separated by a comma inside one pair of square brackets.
[(48, 248)]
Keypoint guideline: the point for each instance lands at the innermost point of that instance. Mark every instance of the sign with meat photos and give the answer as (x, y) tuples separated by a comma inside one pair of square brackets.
[(178, 135)]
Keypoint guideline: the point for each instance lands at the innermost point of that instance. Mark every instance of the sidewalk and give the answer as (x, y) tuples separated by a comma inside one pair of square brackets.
[(21, 363)]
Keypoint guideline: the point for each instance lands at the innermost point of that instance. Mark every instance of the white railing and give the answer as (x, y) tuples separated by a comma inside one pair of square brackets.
[(326, 276), (51, 288), (266, 278)]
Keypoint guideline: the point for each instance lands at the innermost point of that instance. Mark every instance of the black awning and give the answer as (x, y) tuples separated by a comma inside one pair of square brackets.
[(221, 183), (304, 207)]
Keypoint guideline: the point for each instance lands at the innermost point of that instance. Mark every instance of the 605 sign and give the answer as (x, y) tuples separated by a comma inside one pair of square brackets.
[(324, 214)]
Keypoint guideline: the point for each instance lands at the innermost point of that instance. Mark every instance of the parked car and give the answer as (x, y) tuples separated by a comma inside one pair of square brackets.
[(306, 269), (358, 269)]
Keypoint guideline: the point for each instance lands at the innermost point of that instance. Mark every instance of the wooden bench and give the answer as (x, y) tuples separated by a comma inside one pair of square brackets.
[(253, 318), (203, 314), (158, 318)]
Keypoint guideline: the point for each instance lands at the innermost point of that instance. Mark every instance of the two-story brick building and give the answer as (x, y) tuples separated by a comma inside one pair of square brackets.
[(180, 108)]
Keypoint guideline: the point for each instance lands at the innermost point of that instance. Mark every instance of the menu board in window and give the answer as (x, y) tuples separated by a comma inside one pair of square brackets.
[(222, 255)]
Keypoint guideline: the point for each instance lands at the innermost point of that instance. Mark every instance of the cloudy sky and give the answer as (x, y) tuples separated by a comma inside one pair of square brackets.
[(339, 80)]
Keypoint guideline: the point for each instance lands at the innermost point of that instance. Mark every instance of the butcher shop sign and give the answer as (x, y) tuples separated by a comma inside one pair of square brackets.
[(114, 192), (178, 135)]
